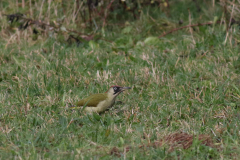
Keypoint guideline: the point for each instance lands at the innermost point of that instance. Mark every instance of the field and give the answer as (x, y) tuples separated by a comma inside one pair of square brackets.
[(184, 102)]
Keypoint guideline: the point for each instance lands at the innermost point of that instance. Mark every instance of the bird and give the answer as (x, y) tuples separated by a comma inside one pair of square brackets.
[(100, 102)]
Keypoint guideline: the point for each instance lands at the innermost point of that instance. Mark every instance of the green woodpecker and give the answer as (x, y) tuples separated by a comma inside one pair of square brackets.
[(102, 101)]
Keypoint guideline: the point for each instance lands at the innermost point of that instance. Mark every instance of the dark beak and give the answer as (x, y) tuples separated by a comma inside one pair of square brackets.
[(124, 88)]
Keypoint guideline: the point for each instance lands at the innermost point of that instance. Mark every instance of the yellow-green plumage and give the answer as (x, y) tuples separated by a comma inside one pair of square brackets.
[(102, 101), (92, 100)]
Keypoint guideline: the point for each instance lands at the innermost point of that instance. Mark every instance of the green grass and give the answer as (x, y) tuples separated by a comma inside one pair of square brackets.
[(182, 82)]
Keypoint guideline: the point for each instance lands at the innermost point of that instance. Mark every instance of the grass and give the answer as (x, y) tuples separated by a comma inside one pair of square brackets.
[(185, 82)]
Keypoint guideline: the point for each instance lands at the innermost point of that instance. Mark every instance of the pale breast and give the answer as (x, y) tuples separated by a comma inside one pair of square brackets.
[(101, 107)]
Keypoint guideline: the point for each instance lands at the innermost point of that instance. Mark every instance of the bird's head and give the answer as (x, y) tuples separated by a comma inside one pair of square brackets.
[(116, 90)]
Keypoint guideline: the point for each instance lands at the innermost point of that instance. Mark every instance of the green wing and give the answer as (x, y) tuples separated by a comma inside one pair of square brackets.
[(92, 100)]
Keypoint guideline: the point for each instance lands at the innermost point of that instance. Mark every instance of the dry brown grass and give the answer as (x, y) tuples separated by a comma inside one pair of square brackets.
[(182, 140), (173, 141)]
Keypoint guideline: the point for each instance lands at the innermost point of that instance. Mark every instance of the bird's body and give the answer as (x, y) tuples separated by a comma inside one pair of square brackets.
[(97, 103), (102, 101)]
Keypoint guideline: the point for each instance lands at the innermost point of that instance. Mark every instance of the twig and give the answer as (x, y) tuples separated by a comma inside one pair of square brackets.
[(106, 14), (190, 21), (40, 14), (40, 23), (55, 28), (229, 25), (176, 29)]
